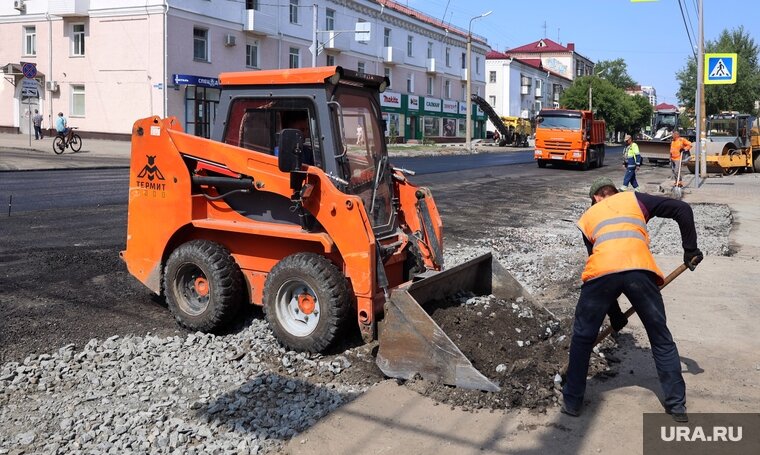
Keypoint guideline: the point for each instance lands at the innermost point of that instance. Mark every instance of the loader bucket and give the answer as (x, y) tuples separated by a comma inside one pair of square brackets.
[(411, 343)]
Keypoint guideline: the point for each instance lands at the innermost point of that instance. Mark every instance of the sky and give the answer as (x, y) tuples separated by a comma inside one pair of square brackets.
[(650, 37)]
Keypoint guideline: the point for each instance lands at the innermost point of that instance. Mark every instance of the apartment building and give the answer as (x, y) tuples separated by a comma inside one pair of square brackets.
[(522, 81), (105, 64), (647, 91)]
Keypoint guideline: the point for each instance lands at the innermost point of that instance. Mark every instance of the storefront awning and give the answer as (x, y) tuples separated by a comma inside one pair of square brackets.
[(14, 69)]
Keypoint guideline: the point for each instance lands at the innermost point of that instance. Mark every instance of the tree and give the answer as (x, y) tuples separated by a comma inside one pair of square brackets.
[(621, 111), (615, 71), (740, 96)]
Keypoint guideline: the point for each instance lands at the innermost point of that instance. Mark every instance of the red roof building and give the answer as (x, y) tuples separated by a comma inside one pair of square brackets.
[(562, 60)]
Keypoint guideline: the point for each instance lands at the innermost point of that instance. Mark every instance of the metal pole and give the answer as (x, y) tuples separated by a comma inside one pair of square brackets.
[(590, 87), (314, 36), (468, 119), (700, 164)]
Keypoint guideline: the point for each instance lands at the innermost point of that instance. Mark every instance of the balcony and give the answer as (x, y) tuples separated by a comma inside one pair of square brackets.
[(430, 66), (392, 55), (464, 74), (64, 8), (257, 23), (336, 41)]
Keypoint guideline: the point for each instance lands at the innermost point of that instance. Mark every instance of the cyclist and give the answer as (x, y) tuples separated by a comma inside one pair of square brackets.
[(62, 128)]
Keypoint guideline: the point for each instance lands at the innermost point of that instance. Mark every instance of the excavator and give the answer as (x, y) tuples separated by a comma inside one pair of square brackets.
[(293, 205)]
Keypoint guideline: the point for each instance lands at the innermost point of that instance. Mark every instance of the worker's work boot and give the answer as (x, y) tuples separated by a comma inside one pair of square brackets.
[(680, 417), (569, 410), (623, 188)]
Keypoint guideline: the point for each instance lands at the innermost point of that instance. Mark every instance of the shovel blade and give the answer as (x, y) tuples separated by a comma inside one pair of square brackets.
[(410, 341)]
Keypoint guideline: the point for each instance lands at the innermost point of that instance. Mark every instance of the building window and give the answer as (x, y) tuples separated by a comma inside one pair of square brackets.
[(464, 92), (77, 100), (387, 37), (492, 76), (492, 100), (387, 72), (77, 39), (200, 44), (294, 60), (360, 67), (30, 40), (429, 85), (252, 55), (293, 14), (447, 89), (329, 19), (252, 4), (464, 60), (409, 45), (448, 57), (409, 83), (431, 126), (525, 81), (477, 65), (430, 50), (330, 60)]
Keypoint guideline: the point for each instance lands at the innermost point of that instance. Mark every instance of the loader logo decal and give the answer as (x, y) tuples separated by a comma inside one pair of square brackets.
[(150, 170)]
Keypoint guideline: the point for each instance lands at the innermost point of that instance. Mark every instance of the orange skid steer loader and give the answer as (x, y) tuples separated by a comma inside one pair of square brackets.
[(294, 205)]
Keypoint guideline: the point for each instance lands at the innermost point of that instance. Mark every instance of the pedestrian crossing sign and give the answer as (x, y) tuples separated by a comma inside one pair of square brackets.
[(720, 68)]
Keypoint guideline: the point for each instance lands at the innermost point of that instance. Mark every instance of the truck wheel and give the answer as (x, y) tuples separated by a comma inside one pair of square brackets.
[(600, 157), (203, 285), (541, 163), (587, 161), (306, 301)]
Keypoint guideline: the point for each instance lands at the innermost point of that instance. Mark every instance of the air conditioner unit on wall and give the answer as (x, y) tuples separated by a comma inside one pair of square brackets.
[(229, 40), (51, 86), (19, 5)]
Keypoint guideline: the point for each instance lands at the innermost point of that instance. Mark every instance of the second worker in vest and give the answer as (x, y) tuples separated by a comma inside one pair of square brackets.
[(680, 149), (615, 233), (631, 161)]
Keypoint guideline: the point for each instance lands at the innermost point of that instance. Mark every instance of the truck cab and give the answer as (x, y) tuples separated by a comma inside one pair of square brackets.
[(569, 136)]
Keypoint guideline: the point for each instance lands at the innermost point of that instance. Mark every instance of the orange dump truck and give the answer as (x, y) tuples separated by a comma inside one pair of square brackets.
[(564, 135)]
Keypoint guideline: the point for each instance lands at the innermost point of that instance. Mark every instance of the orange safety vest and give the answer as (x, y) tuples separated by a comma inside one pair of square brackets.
[(676, 146), (617, 229)]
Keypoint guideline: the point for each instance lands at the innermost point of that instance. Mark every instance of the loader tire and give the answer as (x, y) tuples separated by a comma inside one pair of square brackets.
[(203, 286), (306, 302)]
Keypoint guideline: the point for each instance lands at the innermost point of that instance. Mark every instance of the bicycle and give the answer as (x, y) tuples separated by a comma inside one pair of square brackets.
[(60, 143)]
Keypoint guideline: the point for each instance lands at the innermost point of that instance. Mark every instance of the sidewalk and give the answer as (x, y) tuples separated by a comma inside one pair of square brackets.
[(710, 313), (16, 154)]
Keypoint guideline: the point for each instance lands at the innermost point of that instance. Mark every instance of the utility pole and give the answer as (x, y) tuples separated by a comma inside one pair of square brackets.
[(468, 95), (701, 162)]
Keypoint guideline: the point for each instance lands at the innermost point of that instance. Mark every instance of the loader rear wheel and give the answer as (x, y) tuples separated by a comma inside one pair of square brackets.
[(306, 301), (203, 286)]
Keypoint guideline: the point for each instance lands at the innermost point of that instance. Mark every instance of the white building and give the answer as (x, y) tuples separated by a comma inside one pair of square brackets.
[(646, 91), (521, 88), (105, 64)]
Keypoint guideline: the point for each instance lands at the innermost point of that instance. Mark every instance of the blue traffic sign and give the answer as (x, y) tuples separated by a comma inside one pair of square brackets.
[(29, 70), (720, 69)]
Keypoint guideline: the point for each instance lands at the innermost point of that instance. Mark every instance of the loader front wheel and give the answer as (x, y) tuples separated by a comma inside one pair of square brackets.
[(306, 301), (203, 286)]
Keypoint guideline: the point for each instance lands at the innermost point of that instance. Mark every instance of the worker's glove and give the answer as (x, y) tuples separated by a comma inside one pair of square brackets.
[(692, 257)]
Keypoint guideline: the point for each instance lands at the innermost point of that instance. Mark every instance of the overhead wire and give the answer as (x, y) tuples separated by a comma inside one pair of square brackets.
[(683, 16)]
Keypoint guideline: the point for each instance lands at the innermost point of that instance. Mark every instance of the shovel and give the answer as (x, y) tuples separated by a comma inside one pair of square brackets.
[(677, 190), (608, 330)]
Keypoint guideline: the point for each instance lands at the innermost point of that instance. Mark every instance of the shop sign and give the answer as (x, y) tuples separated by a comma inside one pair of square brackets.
[(390, 99), (432, 104)]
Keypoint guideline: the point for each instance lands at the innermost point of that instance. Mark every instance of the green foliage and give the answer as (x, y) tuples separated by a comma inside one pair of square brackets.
[(732, 97), (621, 111), (616, 72)]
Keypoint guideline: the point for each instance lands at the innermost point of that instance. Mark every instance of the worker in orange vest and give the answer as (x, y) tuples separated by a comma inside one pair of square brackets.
[(678, 146), (615, 233)]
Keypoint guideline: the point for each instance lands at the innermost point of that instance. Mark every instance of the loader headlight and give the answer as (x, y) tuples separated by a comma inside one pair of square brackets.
[(537, 153)]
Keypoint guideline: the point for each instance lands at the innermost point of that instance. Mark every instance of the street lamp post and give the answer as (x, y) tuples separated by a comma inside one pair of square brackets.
[(468, 120)]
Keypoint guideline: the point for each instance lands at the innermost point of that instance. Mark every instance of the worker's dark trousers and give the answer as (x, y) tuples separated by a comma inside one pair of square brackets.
[(596, 297)]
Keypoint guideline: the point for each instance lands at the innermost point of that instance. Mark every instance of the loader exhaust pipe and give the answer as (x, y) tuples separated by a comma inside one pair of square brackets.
[(411, 343)]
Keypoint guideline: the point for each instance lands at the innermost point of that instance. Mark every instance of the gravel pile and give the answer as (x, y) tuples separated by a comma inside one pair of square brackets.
[(201, 393)]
